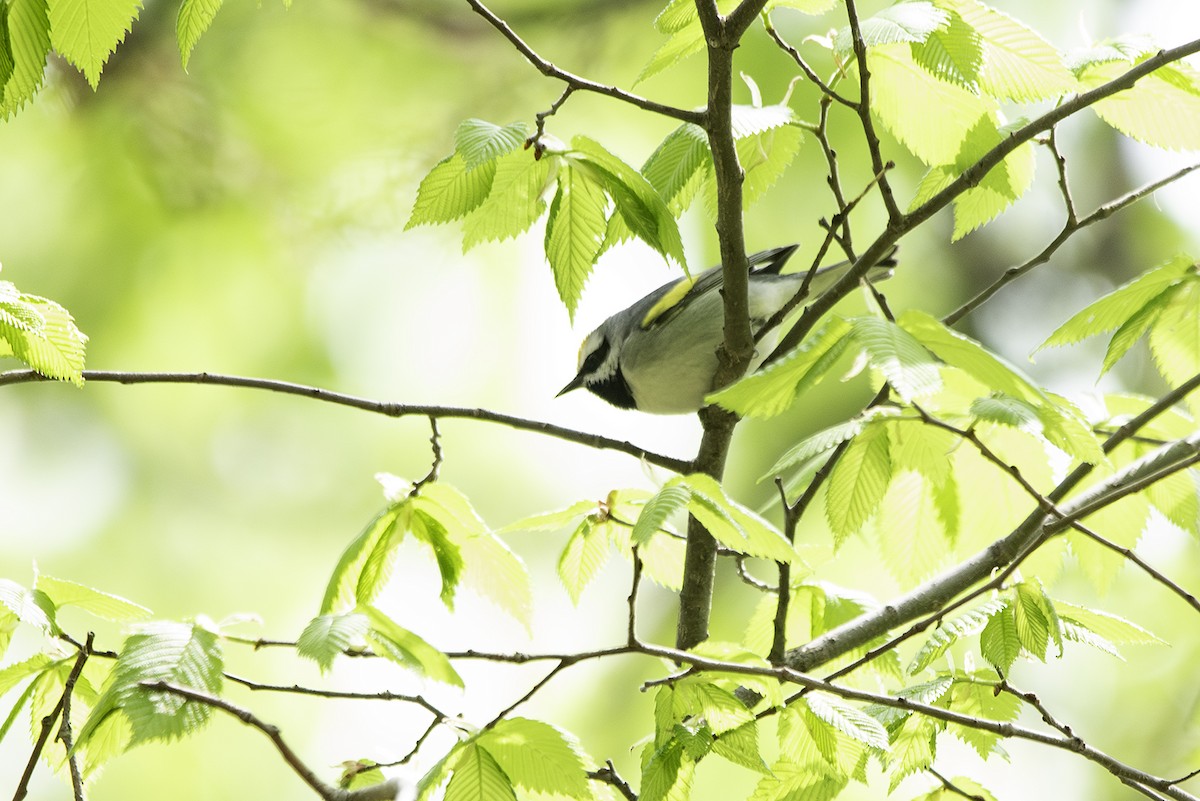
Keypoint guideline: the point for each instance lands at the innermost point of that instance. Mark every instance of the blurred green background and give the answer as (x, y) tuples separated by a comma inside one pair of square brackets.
[(246, 217)]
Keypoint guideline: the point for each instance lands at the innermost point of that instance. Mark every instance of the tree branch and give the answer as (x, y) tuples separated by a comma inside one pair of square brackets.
[(576, 82), (367, 405)]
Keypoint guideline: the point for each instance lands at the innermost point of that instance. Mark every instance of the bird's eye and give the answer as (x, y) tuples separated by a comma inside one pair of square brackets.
[(591, 362)]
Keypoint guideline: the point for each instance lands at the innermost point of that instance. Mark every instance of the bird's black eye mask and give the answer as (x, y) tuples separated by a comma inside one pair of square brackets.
[(596, 358)]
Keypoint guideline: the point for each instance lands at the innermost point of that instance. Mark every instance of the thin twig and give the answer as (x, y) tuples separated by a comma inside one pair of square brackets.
[(541, 116), (635, 581), (952, 787), (864, 113), (1069, 229), (576, 82), (38, 746), (296, 689), (386, 790), (1064, 185), (784, 596), (364, 404), (608, 774), (64, 729), (809, 72), (436, 445), (1146, 567)]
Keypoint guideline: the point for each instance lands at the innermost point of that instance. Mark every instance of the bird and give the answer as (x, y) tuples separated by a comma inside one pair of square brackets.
[(658, 355)]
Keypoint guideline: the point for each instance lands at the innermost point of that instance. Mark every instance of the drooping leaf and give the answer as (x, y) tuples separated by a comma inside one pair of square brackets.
[(478, 777), (667, 501), (952, 632), (575, 230), (42, 334), (193, 20), (327, 636), (1000, 642), (86, 32), (848, 719), (516, 201), (673, 168), (585, 553), (29, 43), (451, 191), (858, 482), (390, 639)]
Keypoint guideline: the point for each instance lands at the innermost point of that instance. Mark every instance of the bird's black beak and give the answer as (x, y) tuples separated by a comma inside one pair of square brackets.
[(576, 383)]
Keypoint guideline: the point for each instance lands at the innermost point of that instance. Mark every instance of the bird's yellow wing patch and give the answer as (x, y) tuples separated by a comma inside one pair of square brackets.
[(669, 301)]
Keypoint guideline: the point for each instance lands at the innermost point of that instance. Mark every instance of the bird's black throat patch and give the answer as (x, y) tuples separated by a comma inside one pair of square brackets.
[(614, 389)]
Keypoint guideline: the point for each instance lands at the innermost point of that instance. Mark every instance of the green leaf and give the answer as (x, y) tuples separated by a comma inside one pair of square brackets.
[(516, 200), (952, 632), (551, 521), (740, 746), (1000, 187), (390, 639), (379, 562), (194, 18), (585, 553), (674, 166), (477, 777), (686, 39), (451, 191), (101, 604), (1162, 109), (848, 720), (1032, 621), (775, 388), (733, 525), (1006, 410), (85, 32), (1018, 64), (341, 591), (930, 116), (479, 141), (764, 158), (29, 43), (1175, 339), (969, 356), (537, 757), (635, 198), (858, 482), (429, 529), (953, 52), (31, 607), (42, 334), (668, 773), (1107, 625), (1138, 324), (1119, 306), (1000, 641), (183, 654), (914, 748), (903, 22), (666, 502), (327, 636), (14, 674), (907, 366), (962, 785), (912, 538), (979, 699), (575, 230), (720, 708), (820, 443)]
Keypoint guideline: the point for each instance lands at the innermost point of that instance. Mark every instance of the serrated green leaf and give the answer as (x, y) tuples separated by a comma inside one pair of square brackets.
[(740, 746), (102, 604), (451, 191), (720, 708), (575, 231), (912, 538), (930, 116), (953, 52), (686, 39), (14, 674), (585, 553), (390, 639), (378, 563), (764, 158), (776, 387), (1175, 496), (28, 25), (903, 22), (1162, 109), (515, 202), (674, 165), (858, 482), (676, 16), (952, 632), (1107, 625), (193, 20), (480, 141), (969, 356), (1018, 64), (914, 748), (327, 636), (1138, 324), (537, 757), (42, 334), (31, 607), (817, 444), (635, 199), (340, 592), (477, 777), (733, 525), (1006, 410), (1064, 427), (980, 699), (1117, 307), (795, 782), (430, 530), (667, 501), (848, 720), (1031, 620), (183, 654), (1175, 339), (85, 32), (907, 366), (551, 521)]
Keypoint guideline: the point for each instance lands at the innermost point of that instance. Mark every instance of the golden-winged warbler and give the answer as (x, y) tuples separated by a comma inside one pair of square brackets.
[(659, 355)]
